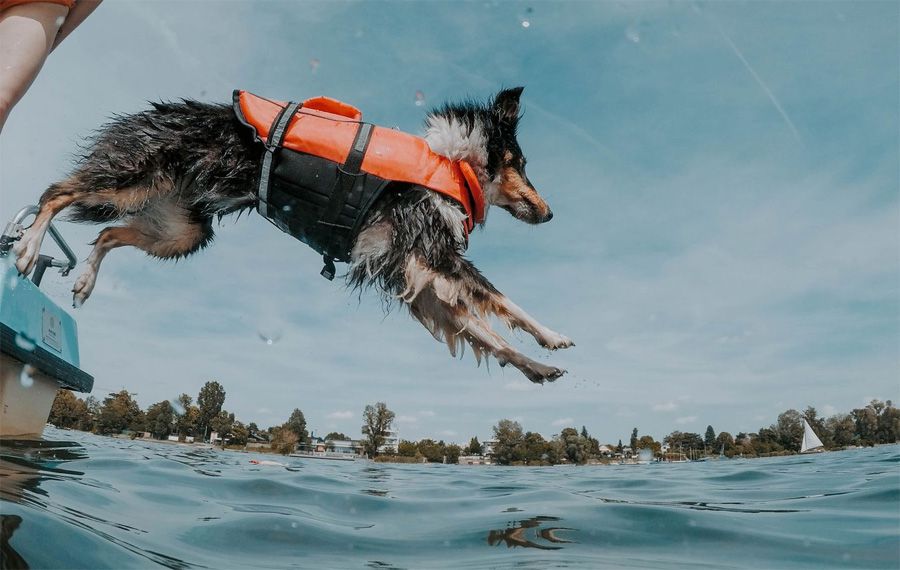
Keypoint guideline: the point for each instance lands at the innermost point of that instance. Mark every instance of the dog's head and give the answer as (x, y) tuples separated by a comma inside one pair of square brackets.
[(485, 136), (509, 186)]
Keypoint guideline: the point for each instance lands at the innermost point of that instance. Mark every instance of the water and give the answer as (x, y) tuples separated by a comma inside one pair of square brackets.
[(83, 501)]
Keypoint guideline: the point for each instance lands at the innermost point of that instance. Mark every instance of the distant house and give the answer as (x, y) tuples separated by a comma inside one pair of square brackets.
[(391, 441), (257, 441), (349, 446), (606, 451), (474, 460), (488, 447), (174, 437)]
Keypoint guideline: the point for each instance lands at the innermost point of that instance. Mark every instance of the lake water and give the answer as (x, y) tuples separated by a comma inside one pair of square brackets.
[(81, 501)]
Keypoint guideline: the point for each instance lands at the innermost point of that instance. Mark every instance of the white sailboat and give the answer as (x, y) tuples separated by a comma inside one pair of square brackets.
[(811, 442)]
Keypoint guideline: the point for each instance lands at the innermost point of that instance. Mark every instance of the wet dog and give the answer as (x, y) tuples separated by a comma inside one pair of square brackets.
[(167, 172)]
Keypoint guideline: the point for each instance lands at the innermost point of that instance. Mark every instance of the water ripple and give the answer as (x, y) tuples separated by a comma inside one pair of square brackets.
[(91, 502)]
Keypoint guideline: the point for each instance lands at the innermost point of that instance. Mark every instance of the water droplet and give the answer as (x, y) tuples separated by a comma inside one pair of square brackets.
[(286, 208), (632, 34), (177, 407), (13, 281), (25, 378), (420, 98), (526, 23), (25, 343), (294, 525), (314, 64)]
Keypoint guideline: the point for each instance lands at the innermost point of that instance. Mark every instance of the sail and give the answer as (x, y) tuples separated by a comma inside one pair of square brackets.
[(810, 440)]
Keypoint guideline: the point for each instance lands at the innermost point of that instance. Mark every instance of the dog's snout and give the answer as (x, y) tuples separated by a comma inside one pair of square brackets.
[(549, 216)]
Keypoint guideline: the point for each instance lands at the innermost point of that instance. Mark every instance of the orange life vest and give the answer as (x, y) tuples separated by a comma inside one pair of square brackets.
[(324, 168)]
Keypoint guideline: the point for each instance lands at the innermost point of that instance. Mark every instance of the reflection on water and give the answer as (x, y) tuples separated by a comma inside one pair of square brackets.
[(524, 533), (9, 558)]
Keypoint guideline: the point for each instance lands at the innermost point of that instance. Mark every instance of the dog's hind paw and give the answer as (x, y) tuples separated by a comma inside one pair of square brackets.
[(554, 341), (26, 250), (83, 288), (540, 373)]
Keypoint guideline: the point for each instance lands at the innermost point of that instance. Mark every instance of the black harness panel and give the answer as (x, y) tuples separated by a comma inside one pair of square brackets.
[(318, 201)]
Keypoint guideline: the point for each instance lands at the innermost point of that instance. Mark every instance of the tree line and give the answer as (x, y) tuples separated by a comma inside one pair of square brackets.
[(876, 423), (185, 417), (195, 420)]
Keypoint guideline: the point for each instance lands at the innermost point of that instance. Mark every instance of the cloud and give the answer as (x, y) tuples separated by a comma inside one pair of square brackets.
[(686, 420), (562, 422), (407, 419), (340, 415), (665, 407)]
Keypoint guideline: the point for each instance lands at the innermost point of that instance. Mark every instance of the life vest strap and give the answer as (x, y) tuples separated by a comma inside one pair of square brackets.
[(349, 176), (273, 142)]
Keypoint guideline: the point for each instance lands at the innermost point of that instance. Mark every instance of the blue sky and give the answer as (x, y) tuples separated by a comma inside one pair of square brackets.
[(724, 179)]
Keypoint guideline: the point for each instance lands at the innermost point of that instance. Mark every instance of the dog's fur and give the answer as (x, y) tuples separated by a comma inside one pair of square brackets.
[(167, 172)]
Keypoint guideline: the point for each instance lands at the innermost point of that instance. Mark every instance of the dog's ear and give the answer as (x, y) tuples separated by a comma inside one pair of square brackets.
[(506, 104)]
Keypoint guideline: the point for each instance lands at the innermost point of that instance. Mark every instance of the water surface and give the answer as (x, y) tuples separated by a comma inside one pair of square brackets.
[(82, 501)]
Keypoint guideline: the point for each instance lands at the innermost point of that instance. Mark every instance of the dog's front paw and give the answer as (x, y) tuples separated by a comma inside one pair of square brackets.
[(83, 288), (26, 250), (554, 341)]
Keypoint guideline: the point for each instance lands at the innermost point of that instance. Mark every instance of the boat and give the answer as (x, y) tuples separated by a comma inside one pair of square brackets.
[(811, 442), (38, 339)]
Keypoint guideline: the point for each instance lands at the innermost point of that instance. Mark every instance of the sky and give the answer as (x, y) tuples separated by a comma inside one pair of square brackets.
[(723, 176)]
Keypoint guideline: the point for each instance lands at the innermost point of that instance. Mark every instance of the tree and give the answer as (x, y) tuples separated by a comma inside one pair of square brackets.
[(160, 419), (93, 407), (284, 440), (866, 422), (407, 448), (186, 418), (647, 442), (889, 424), (222, 424), (575, 446), (378, 420), (474, 447), (709, 439), (509, 436), (239, 433), (789, 430), (209, 403), (452, 453), (842, 429), (119, 412), (69, 412), (534, 448), (297, 424), (634, 440), (724, 443), (431, 450), (336, 436), (620, 448), (684, 441)]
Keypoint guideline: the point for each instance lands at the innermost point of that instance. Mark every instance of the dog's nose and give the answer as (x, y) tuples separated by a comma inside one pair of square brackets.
[(549, 216)]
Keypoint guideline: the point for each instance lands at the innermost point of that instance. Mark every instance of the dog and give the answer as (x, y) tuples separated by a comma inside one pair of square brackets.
[(167, 172)]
